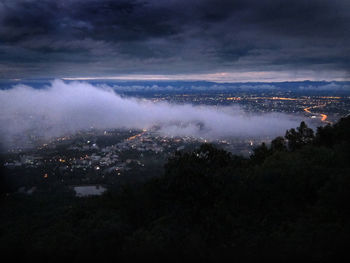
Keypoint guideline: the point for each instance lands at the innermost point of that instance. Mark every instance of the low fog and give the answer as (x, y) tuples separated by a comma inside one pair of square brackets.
[(63, 108)]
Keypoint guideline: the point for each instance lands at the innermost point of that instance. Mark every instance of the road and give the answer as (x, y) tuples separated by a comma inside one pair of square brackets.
[(137, 135), (321, 115)]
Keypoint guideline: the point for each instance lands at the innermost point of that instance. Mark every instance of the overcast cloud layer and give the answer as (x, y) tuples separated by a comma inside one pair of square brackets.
[(84, 38), (63, 108)]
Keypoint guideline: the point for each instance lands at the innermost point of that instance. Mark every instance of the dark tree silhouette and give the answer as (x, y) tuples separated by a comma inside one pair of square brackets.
[(260, 153), (278, 144), (299, 137)]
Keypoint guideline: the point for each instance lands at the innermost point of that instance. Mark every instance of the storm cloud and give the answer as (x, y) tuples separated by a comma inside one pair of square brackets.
[(80, 38), (63, 108)]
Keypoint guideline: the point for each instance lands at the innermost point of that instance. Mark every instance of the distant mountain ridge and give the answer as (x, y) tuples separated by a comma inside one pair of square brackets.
[(194, 86)]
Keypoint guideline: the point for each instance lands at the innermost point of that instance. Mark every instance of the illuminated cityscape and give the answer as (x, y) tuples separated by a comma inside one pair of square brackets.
[(111, 157), (175, 131)]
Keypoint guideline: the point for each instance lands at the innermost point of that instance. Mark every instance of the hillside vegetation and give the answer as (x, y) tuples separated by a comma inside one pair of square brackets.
[(289, 201)]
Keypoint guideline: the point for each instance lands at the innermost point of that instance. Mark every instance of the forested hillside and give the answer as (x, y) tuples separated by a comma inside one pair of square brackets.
[(289, 201)]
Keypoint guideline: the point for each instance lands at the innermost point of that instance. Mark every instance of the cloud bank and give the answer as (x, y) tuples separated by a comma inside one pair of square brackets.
[(62, 108)]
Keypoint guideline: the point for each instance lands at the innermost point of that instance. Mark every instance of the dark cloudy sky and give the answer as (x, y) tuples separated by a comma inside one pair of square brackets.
[(208, 39)]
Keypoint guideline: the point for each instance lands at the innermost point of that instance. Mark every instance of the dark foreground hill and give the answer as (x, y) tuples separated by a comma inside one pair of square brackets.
[(289, 201)]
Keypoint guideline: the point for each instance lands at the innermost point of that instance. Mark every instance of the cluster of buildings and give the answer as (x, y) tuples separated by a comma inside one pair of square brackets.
[(32, 161), (266, 101), (89, 156)]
